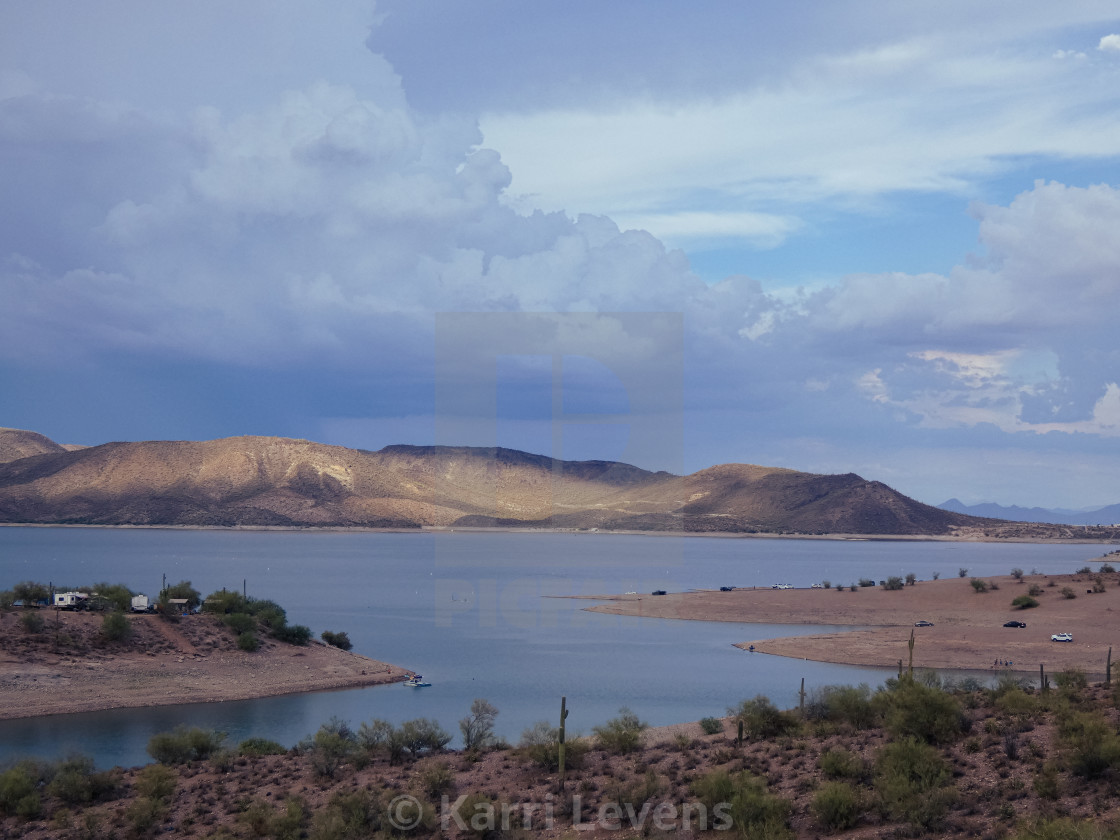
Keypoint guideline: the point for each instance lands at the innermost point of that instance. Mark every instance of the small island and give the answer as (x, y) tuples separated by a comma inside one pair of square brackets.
[(58, 661)]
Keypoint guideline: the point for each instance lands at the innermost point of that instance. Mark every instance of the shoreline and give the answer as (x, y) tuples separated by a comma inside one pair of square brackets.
[(967, 632), (723, 535), (166, 665)]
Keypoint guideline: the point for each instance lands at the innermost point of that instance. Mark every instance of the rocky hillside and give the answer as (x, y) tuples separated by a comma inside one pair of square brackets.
[(263, 481), (17, 443)]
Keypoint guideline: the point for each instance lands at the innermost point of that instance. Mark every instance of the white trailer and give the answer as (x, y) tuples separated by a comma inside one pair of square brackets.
[(70, 600), (140, 603)]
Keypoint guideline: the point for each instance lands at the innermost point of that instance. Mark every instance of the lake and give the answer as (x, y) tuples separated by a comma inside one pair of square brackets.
[(478, 614)]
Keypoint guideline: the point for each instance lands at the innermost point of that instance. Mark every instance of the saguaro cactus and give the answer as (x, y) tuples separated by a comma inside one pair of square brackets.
[(911, 646), (563, 717)]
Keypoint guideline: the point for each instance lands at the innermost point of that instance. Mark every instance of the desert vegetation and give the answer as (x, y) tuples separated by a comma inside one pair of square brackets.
[(919, 757)]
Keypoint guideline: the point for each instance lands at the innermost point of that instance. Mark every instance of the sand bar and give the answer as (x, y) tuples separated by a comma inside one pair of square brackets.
[(968, 631)]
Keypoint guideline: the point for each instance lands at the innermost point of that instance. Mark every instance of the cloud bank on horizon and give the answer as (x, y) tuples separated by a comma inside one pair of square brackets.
[(891, 230)]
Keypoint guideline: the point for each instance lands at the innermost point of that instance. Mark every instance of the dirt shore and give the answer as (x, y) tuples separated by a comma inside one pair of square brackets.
[(68, 667), (967, 631)]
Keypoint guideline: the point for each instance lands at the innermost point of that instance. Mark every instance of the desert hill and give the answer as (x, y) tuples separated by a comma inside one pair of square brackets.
[(18, 443), (267, 481)]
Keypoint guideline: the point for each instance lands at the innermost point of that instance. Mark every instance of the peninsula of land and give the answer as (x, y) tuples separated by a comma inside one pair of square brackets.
[(68, 667), (967, 631)]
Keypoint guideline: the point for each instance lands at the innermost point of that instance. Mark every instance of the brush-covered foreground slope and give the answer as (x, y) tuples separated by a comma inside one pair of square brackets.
[(278, 481)]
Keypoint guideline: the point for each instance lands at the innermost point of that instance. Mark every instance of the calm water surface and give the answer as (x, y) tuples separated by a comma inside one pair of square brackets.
[(476, 614)]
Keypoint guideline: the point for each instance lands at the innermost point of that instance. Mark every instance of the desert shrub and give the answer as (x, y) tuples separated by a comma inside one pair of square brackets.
[(1046, 783), (744, 801), (711, 725), (866, 582), (839, 763), (1068, 593), (436, 779), (1098, 585), (156, 781), (19, 794), (911, 579), (423, 734), (1035, 590), (1017, 574), (182, 589), (622, 734), (182, 745), (30, 592), (260, 746), (1017, 703), (1107, 569), (226, 602), (911, 709), (837, 806), (979, 585), (842, 704), (115, 626), (911, 781), (1084, 570), (7, 599), (827, 584), (1024, 602), (1064, 828), (936, 575), (762, 719), (239, 622), (329, 747), (1071, 680), (1092, 745), (248, 641), (893, 583), (338, 640), (32, 622), (295, 634), (962, 572), (540, 743), (75, 781), (477, 728), (144, 815)]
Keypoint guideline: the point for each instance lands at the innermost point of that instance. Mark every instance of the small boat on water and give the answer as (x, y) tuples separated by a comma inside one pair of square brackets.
[(416, 681)]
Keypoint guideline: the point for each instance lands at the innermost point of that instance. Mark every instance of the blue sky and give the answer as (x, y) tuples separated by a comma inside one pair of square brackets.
[(889, 231)]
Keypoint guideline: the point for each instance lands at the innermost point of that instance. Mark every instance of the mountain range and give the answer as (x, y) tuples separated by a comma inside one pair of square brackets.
[(1108, 515), (269, 481)]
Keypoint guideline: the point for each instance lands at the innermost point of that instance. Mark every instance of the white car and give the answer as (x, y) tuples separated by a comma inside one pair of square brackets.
[(1062, 637), (782, 586)]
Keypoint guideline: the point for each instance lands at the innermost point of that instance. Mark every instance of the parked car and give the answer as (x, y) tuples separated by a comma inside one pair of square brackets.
[(923, 623), (727, 589), (658, 592), (1062, 637), (1014, 624), (782, 586)]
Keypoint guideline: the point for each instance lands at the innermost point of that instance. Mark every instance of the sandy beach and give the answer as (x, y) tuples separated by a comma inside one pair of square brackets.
[(967, 631), (68, 668)]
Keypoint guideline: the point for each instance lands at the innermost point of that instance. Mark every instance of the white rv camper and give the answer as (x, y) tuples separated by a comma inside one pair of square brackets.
[(140, 603)]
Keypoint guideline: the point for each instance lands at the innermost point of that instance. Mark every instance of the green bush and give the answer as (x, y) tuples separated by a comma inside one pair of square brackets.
[(912, 709), (540, 743), (157, 782), (1024, 602), (1107, 569), (1035, 590), (239, 622), (711, 726), (30, 592), (962, 572), (338, 640), (330, 747), (839, 763), (436, 779), (423, 734), (1092, 745), (19, 792), (260, 746), (32, 622), (752, 810), (979, 585), (893, 583), (182, 745), (75, 781), (348, 816), (144, 815), (295, 634), (837, 806), (1068, 593), (842, 704), (622, 734), (762, 719), (911, 781), (1017, 574), (248, 641), (116, 627)]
